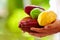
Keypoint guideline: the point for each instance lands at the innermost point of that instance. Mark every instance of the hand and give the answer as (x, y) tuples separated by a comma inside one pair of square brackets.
[(47, 30)]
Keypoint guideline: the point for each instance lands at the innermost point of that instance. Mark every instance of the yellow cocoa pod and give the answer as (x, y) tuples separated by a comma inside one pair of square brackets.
[(46, 18)]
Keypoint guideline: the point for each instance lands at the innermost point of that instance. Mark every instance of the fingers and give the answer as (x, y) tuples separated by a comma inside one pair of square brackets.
[(39, 29), (42, 30), (43, 34), (50, 26), (47, 30)]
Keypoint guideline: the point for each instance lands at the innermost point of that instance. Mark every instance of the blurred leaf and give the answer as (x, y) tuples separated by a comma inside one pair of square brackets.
[(13, 23), (19, 4), (14, 4), (43, 3), (14, 19)]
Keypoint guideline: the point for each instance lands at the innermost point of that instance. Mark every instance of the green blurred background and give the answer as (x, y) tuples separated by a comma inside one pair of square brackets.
[(9, 26)]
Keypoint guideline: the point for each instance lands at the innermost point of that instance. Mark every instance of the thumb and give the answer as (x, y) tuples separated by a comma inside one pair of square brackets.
[(50, 26)]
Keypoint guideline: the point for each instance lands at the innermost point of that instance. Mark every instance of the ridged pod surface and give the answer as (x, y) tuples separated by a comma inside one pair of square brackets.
[(46, 18)]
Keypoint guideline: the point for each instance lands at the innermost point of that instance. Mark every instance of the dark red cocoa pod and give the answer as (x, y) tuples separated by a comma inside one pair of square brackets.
[(30, 7), (27, 23)]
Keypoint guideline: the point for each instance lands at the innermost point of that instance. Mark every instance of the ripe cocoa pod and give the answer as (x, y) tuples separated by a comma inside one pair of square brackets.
[(27, 23), (30, 7)]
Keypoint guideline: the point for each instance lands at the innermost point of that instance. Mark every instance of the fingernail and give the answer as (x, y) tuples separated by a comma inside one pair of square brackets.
[(46, 27), (32, 28)]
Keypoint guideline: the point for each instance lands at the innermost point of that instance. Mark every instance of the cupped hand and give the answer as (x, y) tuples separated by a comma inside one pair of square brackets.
[(47, 30)]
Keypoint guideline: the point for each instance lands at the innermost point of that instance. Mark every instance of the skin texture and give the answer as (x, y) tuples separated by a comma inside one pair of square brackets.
[(47, 30)]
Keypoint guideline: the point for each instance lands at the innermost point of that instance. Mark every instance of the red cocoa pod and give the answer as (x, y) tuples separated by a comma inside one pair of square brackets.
[(25, 29), (30, 7), (27, 23)]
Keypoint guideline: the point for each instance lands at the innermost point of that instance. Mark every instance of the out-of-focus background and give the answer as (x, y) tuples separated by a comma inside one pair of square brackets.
[(11, 12)]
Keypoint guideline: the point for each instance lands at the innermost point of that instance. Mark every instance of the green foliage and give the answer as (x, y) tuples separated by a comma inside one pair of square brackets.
[(19, 4), (43, 3), (13, 23), (14, 19)]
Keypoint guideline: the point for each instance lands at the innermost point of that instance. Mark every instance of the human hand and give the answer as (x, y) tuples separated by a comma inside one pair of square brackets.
[(47, 30)]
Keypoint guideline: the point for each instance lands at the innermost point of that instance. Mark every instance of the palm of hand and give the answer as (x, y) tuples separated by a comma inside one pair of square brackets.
[(47, 30)]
